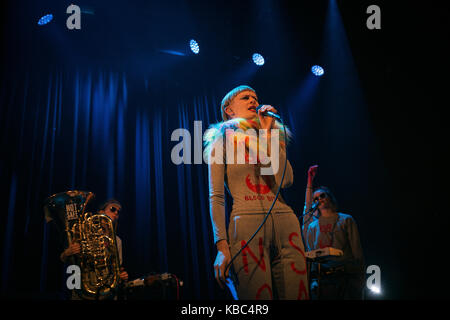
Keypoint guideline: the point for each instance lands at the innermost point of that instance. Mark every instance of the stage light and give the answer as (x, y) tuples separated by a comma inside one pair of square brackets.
[(317, 70), (258, 59), (45, 19), (194, 46), (375, 289)]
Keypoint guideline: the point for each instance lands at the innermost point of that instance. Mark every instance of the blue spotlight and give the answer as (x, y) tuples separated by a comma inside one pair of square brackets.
[(194, 46), (317, 70), (172, 52), (258, 59), (45, 19)]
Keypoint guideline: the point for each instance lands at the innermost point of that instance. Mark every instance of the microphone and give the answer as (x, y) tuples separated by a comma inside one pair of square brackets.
[(314, 206), (269, 113)]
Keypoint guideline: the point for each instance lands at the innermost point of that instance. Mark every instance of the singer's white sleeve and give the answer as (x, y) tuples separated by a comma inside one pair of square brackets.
[(216, 180)]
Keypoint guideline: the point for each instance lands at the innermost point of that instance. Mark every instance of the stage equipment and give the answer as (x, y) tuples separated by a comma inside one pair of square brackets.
[(258, 59), (317, 70), (320, 253), (45, 19), (164, 286), (194, 46)]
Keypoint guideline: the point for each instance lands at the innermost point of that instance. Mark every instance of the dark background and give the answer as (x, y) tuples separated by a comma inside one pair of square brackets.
[(93, 109)]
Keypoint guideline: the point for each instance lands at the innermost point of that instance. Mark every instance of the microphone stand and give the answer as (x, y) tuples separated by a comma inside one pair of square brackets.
[(310, 212)]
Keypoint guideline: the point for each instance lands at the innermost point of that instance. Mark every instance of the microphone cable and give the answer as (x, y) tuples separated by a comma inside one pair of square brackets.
[(271, 207)]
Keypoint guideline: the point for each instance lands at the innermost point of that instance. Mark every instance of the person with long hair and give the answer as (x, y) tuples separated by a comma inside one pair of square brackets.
[(337, 277), (272, 265), (112, 208)]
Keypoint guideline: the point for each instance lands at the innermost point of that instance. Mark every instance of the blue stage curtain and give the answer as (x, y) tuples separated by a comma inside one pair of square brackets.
[(80, 131)]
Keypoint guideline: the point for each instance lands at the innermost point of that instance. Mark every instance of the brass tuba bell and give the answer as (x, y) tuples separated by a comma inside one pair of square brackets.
[(99, 259)]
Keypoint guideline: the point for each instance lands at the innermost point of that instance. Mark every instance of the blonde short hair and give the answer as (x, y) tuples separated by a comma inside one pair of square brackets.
[(229, 97)]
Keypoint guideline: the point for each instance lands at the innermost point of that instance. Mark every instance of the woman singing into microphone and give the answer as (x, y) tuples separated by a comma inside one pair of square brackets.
[(272, 265)]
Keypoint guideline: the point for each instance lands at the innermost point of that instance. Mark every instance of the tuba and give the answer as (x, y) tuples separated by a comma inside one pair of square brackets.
[(99, 259)]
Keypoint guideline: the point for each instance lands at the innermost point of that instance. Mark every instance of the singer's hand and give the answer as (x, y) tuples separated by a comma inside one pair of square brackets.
[(222, 259), (266, 121)]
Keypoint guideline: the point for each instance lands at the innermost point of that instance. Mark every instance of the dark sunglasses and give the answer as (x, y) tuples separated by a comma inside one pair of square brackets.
[(114, 209), (323, 195)]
